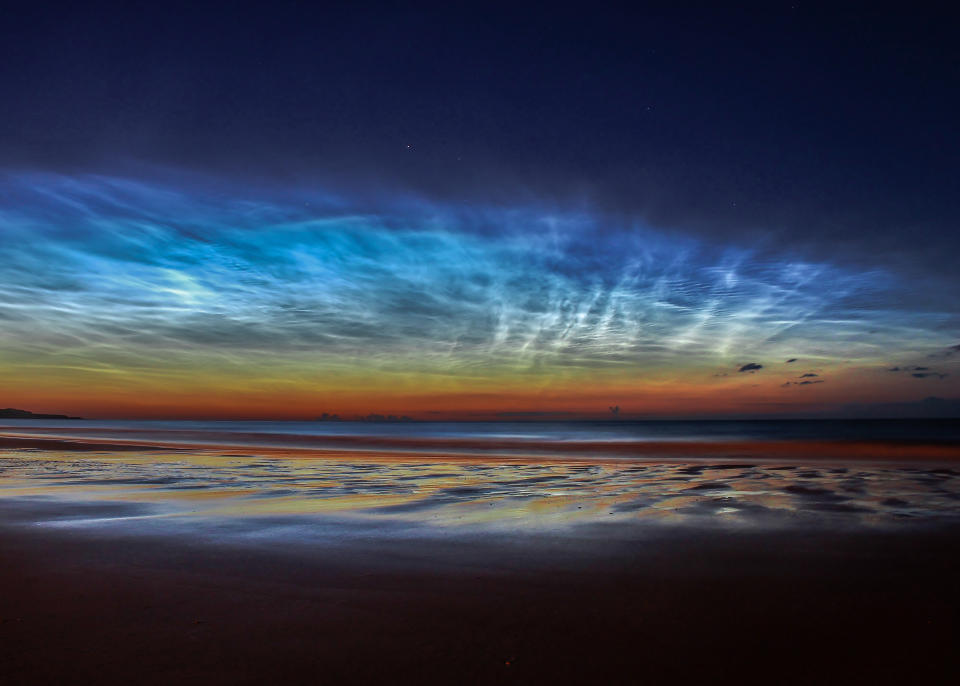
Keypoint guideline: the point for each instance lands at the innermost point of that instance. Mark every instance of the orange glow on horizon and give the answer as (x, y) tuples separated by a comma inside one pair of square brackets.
[(225, 398)]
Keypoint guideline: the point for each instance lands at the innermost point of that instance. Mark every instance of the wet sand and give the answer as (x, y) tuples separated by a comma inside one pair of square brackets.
[(159, 566), (808, 607)]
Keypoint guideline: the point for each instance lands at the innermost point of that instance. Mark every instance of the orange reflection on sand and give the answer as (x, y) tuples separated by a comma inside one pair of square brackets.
[(485, 491)]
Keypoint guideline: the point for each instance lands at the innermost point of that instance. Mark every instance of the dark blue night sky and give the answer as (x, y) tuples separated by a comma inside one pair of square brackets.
[(479, 209)]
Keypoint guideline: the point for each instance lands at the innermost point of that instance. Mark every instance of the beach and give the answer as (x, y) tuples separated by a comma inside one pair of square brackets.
[(186, 565), (728, 609)]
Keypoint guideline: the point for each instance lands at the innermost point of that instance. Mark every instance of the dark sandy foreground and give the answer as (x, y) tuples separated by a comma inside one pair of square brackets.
[(679, 607)]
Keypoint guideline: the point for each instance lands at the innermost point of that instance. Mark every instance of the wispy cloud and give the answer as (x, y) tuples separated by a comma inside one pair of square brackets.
[(112, 276)]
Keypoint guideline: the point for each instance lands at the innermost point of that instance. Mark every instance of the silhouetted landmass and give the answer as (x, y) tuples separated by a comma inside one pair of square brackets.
[(12, 413), (326, 417)]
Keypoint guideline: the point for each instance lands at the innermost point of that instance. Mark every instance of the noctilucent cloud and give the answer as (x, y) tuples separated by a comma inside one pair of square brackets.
[(129, 297)]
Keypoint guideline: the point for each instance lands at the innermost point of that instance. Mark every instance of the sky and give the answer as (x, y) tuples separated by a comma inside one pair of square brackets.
[(481, 212)]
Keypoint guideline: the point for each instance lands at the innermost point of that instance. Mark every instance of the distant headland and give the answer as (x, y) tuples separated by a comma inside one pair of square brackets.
[(12, 413)]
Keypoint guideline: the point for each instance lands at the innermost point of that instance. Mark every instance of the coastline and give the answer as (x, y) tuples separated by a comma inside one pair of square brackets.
[(182, 563)]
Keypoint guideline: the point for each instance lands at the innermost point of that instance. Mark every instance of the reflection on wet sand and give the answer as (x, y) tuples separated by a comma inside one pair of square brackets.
[(447, 494)]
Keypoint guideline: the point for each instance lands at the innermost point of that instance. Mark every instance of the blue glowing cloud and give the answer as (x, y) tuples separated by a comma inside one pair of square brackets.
[(105, 275)]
